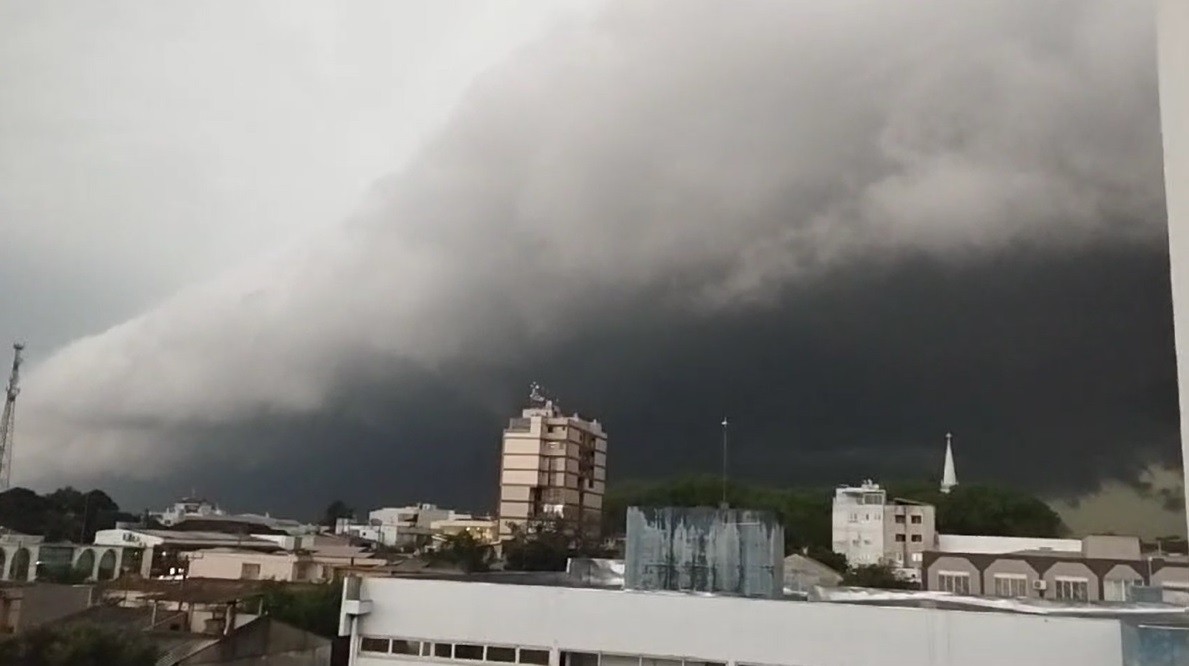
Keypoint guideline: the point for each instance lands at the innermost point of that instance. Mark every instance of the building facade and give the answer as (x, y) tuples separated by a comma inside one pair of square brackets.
[(1104, 569), (868, 528), (408, 621), (1172, 54), (553, 468), (25, 558)]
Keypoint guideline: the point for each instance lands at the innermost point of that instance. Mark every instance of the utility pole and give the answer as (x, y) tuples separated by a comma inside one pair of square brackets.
[(724, 504), (8, 417)]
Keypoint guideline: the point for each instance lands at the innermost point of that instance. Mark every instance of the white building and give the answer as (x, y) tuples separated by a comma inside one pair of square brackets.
[(868, 528), (395, 621), (1173, 52), (997, 545)]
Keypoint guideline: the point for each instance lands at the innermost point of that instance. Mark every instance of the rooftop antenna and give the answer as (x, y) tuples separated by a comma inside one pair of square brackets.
[(724, 506), (949, 477), (8, 418)]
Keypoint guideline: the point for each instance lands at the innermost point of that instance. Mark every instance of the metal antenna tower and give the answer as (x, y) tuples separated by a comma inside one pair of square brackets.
[(8, 418)]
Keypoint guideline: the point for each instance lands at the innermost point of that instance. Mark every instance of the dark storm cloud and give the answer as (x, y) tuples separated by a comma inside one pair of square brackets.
[(1054, 372), (851, 227)]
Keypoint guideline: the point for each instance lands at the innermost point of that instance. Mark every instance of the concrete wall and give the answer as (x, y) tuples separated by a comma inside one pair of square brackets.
[(1155, 646), (726, 629), (1173, 52), (953, 565), (993, 545), (704, 549), (213, 564)]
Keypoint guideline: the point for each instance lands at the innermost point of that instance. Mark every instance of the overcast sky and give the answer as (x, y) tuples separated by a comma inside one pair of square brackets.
[(253, 242)]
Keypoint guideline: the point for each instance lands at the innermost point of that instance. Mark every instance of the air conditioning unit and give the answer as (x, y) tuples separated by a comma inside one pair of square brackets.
[(1039, 585)]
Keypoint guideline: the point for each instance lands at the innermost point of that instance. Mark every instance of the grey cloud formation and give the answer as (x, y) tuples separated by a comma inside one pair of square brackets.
[(670, 180)]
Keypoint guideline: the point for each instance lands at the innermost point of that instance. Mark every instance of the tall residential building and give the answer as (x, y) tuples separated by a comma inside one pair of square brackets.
[(870, 529), (553, 467)]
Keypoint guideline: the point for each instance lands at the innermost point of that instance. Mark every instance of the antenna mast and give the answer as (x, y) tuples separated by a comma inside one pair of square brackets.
[(8, 418)]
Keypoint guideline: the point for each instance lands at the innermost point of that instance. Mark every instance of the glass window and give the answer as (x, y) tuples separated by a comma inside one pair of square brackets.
[(504, 654), (1073, 589), (369, 644), (1117, 589), (575, 658), (465, 651), (1009, 585), (405, 647), (958, 583), (916, 520), (443, 650), (899, 538), (541, 658)]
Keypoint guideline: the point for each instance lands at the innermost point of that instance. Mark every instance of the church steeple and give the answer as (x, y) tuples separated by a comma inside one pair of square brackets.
[(949, 478)]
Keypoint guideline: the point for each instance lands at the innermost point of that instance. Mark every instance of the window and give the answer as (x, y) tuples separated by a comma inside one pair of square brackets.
[(900, 519), (950, 581), (538, 657), (619, 660), (463, 651), (369, 644), (405, 647), (501, 654), (1072, 589), (916, 538), (578, 659), (443, 650), (1117, 589), (249, 571), (899, 538), (1011, 585), (916, 520)]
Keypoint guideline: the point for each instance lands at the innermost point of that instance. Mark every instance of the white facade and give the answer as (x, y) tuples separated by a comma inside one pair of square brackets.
[(858, 523), (599, 627), (995, 545), (1173, 52)]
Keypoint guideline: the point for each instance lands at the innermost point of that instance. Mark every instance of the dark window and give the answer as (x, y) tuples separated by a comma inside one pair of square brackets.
[(578, 659), (405, 647), (373, 644), (443, 650), (916, 538), (899, 538), (468, 652), (540, 657), (505, 654), (916, 520), (900, 519)]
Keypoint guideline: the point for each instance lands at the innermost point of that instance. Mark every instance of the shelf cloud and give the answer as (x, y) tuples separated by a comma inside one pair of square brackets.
[(877, 221)]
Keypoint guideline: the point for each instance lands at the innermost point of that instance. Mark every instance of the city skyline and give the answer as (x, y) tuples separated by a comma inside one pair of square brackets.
[(816, 289)]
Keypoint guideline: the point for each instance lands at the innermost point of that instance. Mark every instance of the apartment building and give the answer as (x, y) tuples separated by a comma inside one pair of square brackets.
[(1105, 568), (553, 467), (868, 528)]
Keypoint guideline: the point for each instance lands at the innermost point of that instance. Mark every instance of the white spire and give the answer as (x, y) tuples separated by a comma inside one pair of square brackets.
[(949, 478)]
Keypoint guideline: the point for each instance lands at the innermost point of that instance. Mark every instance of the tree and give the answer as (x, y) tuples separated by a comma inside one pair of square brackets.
[(880, 576), (314, 609), (66, 514), (986, 510), (464, 551), (78, 645), (805, 512), (337, 509)]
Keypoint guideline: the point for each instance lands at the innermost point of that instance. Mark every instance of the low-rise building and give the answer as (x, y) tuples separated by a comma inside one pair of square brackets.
[(1103, 568), (868, 528), (29, 558), (201, 515), (415, 620), (236, 564), (164, 550)]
